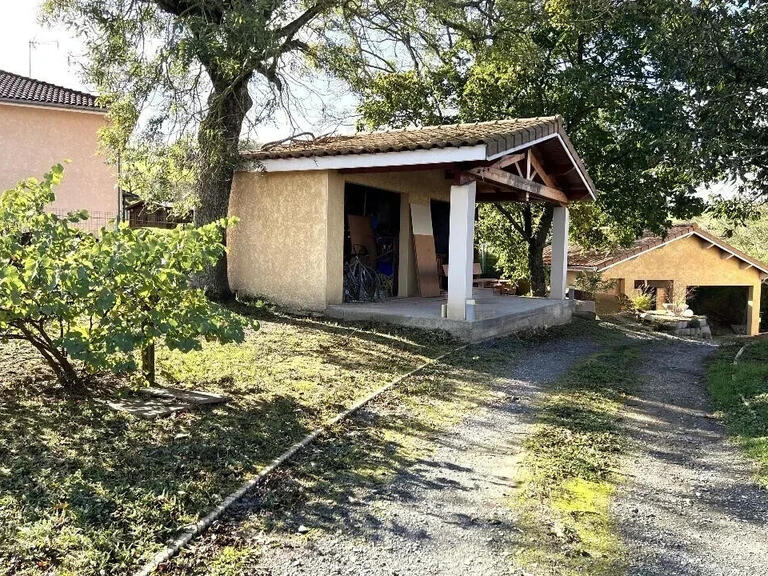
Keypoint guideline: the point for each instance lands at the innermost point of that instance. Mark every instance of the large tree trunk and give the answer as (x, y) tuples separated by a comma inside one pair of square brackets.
[(536, 243), (218, 138)]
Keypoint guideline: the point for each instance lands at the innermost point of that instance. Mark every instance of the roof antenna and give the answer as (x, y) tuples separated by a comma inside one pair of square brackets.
[(34, 44)]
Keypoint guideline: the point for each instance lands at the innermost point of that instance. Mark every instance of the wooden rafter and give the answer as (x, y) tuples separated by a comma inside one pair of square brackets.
[(508, 161), (515, 182), (726, 255), (536, 163)]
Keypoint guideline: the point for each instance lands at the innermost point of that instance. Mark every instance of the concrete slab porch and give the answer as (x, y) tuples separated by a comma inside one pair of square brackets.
[(494, 315)]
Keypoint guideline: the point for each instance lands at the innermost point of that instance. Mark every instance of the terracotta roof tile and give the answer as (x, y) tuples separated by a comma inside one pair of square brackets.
[(497, 136), (20, 89)]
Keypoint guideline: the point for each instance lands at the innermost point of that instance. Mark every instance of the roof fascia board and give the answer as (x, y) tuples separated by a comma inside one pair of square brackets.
[(369, 160), (49, 106), (532, 143), (675, 239)]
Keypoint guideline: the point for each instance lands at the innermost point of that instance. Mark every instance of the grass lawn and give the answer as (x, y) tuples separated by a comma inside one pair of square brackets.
[(740, 393), (569, 473), (87, 490), (363, 453)]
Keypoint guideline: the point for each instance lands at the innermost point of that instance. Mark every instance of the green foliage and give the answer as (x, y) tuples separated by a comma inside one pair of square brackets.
[(593, 283), (658, 97), (75, 296), (749, 236), (498, 235), (740, 393), (162, 173), (642, 301)]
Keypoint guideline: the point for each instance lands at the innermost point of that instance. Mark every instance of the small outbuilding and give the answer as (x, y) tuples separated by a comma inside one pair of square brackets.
[(690, 264), (362, 226)]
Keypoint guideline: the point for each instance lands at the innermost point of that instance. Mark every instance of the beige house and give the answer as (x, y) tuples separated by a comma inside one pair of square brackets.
[(42, 124), (409, 198), (689, 263)]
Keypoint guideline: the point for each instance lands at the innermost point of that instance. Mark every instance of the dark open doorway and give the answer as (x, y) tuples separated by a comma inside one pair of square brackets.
[(371, 243), (724, 306), (441, 229)]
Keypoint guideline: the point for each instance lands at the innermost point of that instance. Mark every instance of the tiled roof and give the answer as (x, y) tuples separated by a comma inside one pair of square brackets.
[(498, 136), (23, 90), (582, 259)]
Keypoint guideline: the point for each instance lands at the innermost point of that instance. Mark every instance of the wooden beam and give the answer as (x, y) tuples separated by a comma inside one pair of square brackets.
[(548, 180), (485, 197), (508, 161), (708, 244), (505, 179), (744, 265), (528, 164), (726, 255)]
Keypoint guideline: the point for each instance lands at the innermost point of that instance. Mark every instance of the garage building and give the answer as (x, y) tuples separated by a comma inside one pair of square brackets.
[(715, 278)]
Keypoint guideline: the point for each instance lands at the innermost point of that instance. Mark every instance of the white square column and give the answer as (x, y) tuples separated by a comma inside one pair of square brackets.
[(559, 272), (461, 249)]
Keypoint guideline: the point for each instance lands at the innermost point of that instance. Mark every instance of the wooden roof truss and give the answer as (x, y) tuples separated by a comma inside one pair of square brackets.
[(519, 177)]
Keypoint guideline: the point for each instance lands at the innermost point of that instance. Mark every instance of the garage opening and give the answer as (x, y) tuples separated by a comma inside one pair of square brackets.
[(371, 243), (724, 306)]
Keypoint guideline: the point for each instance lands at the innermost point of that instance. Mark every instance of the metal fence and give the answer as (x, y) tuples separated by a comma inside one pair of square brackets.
[(98, 220), (95, 222)]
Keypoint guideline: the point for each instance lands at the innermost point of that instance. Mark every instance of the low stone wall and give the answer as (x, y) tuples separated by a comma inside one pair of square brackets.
[(690, 326)]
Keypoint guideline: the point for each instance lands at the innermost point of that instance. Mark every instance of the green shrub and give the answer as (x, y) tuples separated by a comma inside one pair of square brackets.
[(96, 300), (642, 301), (592, 283)]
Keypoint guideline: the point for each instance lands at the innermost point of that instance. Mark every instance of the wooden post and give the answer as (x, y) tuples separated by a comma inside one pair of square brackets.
[(148, 362), (753, 310)]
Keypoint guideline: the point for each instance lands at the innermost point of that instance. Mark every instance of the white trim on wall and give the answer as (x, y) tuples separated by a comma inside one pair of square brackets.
[(375, 160)]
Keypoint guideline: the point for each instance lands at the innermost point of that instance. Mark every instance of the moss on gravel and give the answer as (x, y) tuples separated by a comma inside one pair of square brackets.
[(363, 453), (569, 473)]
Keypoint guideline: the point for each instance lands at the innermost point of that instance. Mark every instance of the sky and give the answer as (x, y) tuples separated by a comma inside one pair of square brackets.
[(54, 58)]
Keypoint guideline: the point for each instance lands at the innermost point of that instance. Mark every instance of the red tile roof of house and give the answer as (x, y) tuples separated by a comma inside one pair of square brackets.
[(593, 260), (22, 90)]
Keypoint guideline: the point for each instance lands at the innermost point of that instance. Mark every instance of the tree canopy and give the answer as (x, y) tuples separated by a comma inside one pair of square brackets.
[(658, 96), (172, 69)]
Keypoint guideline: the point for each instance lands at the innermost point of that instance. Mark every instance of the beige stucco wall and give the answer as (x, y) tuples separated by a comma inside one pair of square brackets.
[(34, 138), (688, 262), (289, 244)]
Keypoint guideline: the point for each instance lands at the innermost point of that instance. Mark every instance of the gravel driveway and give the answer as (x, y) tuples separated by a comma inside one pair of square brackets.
[(689, 507), (446, 514)]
